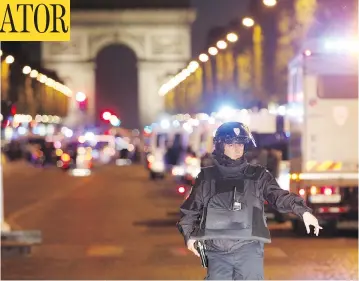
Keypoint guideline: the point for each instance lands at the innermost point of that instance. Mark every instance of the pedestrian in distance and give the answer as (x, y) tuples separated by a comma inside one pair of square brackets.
[(224, 213)]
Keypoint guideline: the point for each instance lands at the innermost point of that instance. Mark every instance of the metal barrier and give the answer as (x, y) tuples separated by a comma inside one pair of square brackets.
[(19, 243)]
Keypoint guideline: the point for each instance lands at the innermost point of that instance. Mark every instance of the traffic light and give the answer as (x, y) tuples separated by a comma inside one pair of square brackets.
[(106, 115), (8, 109), (82, 101), (111, 118), (115, 121)]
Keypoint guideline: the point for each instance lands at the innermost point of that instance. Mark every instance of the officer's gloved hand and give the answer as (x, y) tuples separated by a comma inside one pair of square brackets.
[(190, 246), (309, 219)]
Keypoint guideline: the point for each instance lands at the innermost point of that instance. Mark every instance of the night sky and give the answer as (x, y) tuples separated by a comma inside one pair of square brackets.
[(117, 88), (211, 13)]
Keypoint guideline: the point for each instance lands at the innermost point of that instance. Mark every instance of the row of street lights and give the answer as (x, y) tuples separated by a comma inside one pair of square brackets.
[(213, 51), (27, 70)]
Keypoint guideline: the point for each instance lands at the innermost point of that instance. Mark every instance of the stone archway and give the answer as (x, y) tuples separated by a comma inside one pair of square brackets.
[(160, 39), (116, 84)]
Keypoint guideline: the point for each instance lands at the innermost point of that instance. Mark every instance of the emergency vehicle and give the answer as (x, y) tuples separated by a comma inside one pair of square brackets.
[(197, 131), (168, 134), (323, 116)]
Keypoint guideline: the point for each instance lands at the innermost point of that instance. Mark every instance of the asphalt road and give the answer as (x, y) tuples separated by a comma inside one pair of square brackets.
[(117, 224)]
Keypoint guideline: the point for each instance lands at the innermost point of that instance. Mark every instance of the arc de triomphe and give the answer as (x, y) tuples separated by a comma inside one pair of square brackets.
[(161, 40)]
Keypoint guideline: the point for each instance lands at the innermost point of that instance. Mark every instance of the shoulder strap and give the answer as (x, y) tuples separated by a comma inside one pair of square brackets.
[(211, 175), (254, 171)]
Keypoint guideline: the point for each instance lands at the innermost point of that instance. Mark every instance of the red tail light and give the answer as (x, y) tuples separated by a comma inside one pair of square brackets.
[(333, 210), (13, 110), (328, 190), (181, 189), (302, 192)]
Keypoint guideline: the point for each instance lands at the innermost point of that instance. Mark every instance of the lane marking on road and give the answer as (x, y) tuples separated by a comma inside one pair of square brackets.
[(58, 251), (11, 219), (104, 251)]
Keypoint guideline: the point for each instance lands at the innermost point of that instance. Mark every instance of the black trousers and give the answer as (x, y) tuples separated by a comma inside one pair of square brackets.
[(244, 263)]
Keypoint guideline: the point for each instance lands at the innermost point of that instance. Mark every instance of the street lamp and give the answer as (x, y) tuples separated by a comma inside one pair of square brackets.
[(221, 45), (185, 73), (270, 3), (203, 57), (232, 37), (9, 59), (248, 22), (26, 69), (42, 78), (34, 73), (192, 67), (50, 82), (213, 51)]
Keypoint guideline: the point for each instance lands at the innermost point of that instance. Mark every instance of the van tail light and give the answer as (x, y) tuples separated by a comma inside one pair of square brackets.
[(181, 190), (324, 190), (329, 190)]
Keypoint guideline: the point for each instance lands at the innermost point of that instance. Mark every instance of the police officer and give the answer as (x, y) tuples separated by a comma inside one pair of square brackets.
[(225, 209)]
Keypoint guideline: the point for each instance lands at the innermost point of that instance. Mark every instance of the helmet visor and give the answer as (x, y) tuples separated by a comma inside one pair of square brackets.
[(240, 140)]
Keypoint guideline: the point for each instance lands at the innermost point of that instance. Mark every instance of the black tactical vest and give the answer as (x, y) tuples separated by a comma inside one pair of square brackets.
[(234, 209)]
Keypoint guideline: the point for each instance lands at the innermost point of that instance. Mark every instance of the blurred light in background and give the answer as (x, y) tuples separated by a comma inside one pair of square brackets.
[(203, 57), (213, 51), (165, 124), (270, 3), (221, 44), (80, 97), (26, 69), (232, 37), (9, 59), (249, 22)]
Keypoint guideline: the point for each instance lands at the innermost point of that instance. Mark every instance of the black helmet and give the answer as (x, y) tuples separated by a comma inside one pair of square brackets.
[(233, 132)]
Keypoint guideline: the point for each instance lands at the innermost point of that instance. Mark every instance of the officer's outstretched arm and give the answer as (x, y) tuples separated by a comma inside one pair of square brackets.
[(191, 209), (282, 200)]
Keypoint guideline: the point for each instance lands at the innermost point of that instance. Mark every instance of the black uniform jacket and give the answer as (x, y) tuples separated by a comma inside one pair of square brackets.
[(281, 200)]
